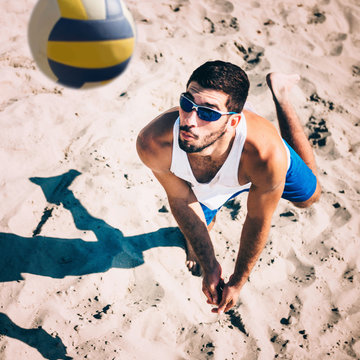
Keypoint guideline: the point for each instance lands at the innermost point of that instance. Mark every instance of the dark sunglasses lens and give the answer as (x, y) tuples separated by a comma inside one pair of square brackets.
[(208, 115), (204, 114), (185, 104)]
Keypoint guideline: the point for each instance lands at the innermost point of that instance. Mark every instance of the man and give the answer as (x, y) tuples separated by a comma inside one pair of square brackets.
[(212, 148)]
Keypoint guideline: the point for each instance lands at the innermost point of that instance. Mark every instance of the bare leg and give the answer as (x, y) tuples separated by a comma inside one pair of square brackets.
[(211, 225), (192, 262), (290, 126), (289, 123)]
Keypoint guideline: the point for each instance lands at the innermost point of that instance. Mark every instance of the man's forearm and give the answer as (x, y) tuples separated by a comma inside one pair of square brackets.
[(188, 217), (253, 239)]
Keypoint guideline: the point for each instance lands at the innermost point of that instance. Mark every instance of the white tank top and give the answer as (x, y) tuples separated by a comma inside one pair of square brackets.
[(225, 183)]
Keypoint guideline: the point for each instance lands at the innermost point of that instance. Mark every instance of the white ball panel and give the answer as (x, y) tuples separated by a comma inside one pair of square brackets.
[(95, 10), (44, 16)]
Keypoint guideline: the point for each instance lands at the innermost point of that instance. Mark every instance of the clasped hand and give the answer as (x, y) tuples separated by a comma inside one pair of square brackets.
[(223, 295)]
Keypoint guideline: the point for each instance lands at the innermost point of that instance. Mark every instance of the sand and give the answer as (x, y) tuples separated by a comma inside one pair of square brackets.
[(92, 264)]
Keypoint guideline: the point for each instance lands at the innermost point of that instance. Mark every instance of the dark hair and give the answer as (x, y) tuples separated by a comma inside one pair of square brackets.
[(224, 76)]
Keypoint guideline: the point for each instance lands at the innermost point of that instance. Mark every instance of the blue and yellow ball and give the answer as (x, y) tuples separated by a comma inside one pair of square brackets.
[(81, 43)]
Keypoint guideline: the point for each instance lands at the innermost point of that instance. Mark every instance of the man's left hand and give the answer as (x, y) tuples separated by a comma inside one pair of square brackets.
[(229, 297)]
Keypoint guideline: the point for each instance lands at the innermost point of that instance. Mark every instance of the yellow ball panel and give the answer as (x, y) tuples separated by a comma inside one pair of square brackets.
[(72, 9), (91, 55)]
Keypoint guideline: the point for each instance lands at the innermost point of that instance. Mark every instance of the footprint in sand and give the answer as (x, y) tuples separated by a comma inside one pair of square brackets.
[(222, 26), (304, 274), (318, 131), (339, 214), (209, 26), (348, 276), (279, 342), (317, 250), (316, 16), (294, 312), (336, 40), (146, 291), (220, 6), (356, 70), (200, 345), (332, 320), (253, 55)]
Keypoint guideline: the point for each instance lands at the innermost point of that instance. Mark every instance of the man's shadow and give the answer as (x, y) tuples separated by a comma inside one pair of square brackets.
[(60, 257), (51, 348)]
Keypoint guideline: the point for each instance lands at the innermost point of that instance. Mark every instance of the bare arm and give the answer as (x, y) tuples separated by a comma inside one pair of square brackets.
[(190, 217), (263, 198), (191, 220), (154, 147)]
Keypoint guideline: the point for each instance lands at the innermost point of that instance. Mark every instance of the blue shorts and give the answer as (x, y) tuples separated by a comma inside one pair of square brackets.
[(300, 184)]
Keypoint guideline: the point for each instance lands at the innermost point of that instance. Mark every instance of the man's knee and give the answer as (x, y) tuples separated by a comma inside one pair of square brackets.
[(314, 198)]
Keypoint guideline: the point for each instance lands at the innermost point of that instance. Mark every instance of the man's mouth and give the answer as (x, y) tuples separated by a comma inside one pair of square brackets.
[(186, 135)]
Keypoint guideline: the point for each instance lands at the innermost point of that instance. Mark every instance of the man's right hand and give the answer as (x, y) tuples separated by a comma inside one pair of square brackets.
[(212, 286)]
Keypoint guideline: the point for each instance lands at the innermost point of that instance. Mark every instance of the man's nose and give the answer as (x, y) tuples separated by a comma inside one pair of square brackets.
[(191, 118)]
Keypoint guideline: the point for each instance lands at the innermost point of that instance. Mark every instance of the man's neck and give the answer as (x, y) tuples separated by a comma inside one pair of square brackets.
[(217, 151)]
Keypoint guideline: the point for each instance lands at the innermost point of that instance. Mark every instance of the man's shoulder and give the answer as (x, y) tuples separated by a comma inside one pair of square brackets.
[(263, 140), (154, 142)]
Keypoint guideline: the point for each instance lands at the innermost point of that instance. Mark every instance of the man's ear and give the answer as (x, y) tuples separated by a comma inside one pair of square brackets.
[(235, 120)]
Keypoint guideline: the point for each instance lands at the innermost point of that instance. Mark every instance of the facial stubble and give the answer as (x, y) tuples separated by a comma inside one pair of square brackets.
[(206, 142)]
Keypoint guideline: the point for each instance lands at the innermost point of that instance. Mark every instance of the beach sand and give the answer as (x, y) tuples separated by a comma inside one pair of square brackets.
[(92, 264)]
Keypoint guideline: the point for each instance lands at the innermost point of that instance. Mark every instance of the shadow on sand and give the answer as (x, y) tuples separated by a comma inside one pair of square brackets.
[(57, 257), (51, 348)]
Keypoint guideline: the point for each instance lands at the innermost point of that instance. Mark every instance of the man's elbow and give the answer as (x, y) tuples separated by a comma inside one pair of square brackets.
[(143, 146)]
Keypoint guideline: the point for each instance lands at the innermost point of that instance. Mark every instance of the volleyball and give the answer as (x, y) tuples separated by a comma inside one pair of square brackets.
[(81, 43)]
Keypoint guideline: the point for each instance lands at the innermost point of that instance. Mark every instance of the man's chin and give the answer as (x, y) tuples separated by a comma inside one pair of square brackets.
[(184, 145)]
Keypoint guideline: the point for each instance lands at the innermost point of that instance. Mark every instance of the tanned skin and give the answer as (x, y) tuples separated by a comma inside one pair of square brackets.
[(263, 163)]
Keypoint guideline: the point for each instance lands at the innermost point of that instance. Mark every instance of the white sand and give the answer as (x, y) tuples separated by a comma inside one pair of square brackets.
[(104, 275)]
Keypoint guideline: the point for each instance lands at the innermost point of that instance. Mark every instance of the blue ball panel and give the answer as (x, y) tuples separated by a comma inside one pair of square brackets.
[(77, 77), (91, 30), (113, 9)]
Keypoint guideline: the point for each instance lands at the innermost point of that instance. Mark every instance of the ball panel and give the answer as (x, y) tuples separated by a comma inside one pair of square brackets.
[(91, 30), (113, 9), (76, 78), (88, 55), (72, 9), (91, 85), (43, 18), (113, 40), (95, 10), (129, 17)]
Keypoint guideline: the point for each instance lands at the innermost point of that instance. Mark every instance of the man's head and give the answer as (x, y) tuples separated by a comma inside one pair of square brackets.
[(215, 86), (225, 77)]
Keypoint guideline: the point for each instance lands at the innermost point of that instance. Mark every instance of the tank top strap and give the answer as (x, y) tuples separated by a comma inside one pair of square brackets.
[(228, 174)]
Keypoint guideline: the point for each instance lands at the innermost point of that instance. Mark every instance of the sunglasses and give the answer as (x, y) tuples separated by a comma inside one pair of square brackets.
[(203, 112)]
